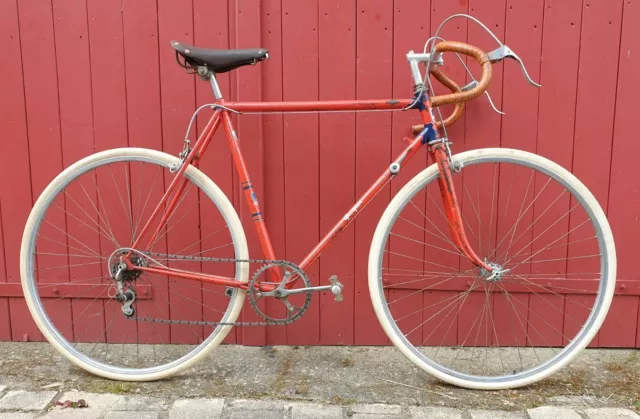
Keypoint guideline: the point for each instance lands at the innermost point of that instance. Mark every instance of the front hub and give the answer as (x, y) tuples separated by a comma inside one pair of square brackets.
[(496, 274)]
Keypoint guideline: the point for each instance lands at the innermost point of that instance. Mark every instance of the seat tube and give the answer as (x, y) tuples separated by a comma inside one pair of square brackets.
[(250, 196)]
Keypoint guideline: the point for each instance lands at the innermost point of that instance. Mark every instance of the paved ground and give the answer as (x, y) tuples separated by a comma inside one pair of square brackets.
[(311, 382), (42, 404)]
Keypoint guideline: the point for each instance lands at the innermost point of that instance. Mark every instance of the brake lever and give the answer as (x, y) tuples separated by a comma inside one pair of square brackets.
[(473, 83), (503, 52)]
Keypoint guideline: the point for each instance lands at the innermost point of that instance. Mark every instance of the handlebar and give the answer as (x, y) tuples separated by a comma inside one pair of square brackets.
[(459, 96)]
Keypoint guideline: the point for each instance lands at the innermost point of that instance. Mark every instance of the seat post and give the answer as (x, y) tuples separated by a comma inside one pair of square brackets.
[(214, 86)]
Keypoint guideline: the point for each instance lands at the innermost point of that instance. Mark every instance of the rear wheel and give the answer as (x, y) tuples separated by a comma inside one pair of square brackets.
[(525, 215), (155, 326)]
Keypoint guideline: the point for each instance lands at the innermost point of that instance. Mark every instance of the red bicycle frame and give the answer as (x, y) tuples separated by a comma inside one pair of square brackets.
[(428, 136)]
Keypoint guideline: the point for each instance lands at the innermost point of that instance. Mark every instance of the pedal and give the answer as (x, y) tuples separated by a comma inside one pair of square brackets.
[(336, 288)]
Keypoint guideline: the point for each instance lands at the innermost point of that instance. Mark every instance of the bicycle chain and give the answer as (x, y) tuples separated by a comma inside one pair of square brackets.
[(212, 259)]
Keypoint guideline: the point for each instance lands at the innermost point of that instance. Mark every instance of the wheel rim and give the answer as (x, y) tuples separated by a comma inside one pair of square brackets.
[(454, 303), (84, 345)]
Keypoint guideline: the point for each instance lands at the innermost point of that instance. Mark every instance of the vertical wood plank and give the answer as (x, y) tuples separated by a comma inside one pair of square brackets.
[(108, 87), (337, 157), (556, 120), (407, 239), (618, 329), (76, 125), (211, 30), (374, 44), (145, 130), (15, 191), (273, 145), (41, 95), (248, 88), (178, 101), (624, 184), (456, 30), (300, 71)]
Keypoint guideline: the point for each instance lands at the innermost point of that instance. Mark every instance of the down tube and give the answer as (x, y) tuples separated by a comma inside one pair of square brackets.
[(367, 197), (250, 195)]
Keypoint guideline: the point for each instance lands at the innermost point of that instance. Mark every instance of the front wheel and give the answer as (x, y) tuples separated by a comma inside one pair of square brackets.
[(144, 326), (522, 213)]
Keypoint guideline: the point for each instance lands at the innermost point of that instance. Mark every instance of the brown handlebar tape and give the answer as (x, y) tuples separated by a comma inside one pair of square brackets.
[(483, 83)]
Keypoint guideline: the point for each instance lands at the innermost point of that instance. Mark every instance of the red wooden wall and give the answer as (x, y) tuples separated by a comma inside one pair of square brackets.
[(78, 76)]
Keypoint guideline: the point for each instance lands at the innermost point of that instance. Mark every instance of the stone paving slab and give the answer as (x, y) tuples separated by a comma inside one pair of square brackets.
[(197, 409), (610, 413), (314, 410), (549, 412), (496, 414), (131, 415), (17, 415), (435, 413), (26, 400), (137, 403), (13, 405)]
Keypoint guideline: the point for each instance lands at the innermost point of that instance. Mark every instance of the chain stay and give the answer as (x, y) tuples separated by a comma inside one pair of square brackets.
[(212, 259)]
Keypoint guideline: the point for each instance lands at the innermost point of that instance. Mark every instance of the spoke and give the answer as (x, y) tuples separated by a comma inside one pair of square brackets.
[(124, 207), (466, 337), (422, 278), (562, 244), (175, 209), (90, 254), (71, 237), (129, 198), (522, 212), (211, 249), (444, 216), (425, 288), (423, 243), (205, 237), (546, 322), (476, 211), (526, 333), (76, 317), (572, 257), (418, 259), (435, 356), (493, 198), (68, 266), (75, 281), (69, 255), (439, 311), (106, 234), (168, 229), (544, 248), (87, 225), (441, 236), (548, 291), (495, 335), (184, 297), (99, 215), (536, 220), (175, 307), (456, 296), (153, 184), (106, 216)]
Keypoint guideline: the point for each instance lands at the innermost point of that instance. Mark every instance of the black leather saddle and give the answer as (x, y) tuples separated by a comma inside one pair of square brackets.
[(219, 60)]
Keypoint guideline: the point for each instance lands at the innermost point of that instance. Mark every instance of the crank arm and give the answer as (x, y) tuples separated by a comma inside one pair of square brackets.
[(283, 292)]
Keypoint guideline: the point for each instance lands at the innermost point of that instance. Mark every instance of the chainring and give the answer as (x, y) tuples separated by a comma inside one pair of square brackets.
[(293, 312), (269, 322)]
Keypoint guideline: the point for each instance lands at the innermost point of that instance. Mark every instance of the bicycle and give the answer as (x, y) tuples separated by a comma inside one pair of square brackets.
[(123, 281)]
